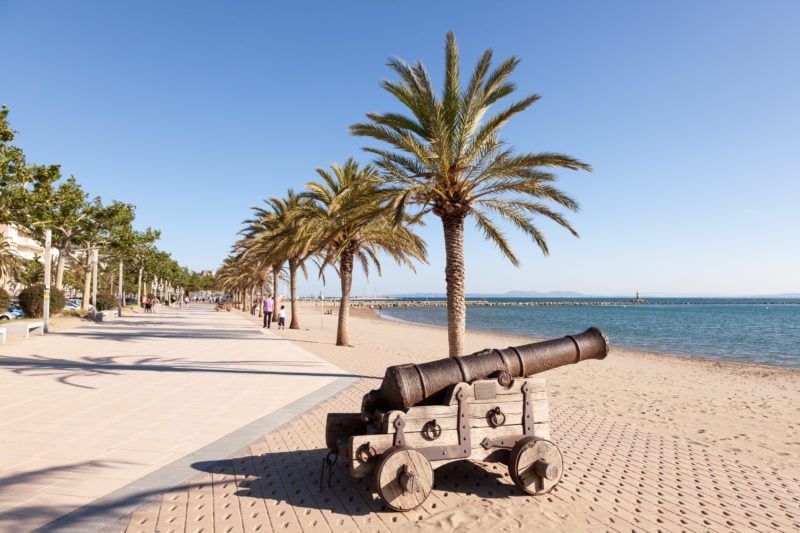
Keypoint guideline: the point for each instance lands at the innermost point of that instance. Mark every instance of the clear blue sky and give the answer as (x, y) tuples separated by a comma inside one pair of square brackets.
[(195, 111)]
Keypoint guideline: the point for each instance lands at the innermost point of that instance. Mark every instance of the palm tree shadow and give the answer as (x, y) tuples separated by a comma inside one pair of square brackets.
[(67, 371), (15, 519), (298, 479)]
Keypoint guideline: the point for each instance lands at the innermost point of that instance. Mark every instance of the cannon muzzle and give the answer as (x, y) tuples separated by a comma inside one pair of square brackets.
[(407, 385)]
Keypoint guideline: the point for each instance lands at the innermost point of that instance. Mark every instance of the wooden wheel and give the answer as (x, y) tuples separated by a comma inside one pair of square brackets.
[(404, 478), (535, 465)]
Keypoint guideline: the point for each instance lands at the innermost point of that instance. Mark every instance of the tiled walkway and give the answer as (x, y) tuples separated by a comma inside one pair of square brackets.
[(96, 420), (617, 479)]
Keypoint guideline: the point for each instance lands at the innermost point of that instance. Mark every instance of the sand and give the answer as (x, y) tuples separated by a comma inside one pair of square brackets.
[(716, 419), (748, 412)]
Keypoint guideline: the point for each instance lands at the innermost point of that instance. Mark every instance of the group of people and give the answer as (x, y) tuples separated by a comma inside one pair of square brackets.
[(151, 305), (269, 308)]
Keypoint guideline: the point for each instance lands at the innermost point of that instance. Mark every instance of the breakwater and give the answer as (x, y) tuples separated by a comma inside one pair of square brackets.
[(563, 303)]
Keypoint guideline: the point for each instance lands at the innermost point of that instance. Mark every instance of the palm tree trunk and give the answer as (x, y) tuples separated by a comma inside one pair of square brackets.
[(294, 322), (346, 278), (454, 274), (276, 270)]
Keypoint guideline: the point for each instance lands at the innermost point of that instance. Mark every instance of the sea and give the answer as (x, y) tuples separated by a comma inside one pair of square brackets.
[(762, 331)]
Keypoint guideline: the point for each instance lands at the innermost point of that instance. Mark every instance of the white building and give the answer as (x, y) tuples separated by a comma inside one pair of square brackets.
[(23, 246)]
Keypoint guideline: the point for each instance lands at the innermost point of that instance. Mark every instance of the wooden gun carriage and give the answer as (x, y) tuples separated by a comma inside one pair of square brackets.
[(483, 406)]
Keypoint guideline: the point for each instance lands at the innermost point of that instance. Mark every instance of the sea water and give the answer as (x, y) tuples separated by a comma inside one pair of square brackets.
[(765, 331)]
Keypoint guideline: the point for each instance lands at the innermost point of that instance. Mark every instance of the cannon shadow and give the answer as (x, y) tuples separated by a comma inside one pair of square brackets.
[(297, 478)]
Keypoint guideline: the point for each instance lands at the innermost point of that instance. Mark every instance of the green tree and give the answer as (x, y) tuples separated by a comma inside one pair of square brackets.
[(63, 208), (14, 174), (447, 158), (99, 226), (349, 218), (140, 252)]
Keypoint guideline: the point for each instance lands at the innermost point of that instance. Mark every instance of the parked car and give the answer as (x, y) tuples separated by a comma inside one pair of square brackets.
[(13, 312), (75, 304)]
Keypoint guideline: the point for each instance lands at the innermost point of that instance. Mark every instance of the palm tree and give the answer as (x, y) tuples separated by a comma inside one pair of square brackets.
[(9, 261), (235, 276), (265, 239), (282, 233), (448, 158), (346, 214)]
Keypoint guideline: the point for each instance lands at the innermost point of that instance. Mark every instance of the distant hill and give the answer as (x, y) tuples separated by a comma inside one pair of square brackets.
[(535, 294), (509, 294), (571, 294)]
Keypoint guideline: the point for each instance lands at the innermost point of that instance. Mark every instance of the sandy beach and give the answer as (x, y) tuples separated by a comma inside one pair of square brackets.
[(743, 420), (748, 412)]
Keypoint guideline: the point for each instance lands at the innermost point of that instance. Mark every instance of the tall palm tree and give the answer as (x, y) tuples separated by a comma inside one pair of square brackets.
[(235, 276), (285, 235), (347, 215), (447, 157), (271, 237)]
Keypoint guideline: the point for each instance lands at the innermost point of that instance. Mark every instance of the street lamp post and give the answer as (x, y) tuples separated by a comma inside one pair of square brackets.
[(94, 282), (46, 303), (120, 300)]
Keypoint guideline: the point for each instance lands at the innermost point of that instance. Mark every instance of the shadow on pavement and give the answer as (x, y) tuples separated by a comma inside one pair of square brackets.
[(65, 370), (295, 478), (167, 333), (277, 479)]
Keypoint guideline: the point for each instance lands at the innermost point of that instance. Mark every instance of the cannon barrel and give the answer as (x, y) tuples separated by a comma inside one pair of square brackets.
[(411, 384)]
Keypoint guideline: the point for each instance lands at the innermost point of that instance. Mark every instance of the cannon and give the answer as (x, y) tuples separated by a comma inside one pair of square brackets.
[(483, 406)]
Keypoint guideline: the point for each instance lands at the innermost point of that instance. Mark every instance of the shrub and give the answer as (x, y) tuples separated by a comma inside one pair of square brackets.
[(57, 301), (106, 301), (5, 299), (31, 300)]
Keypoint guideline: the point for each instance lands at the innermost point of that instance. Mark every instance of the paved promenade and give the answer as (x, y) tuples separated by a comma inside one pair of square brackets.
[(97, 419)]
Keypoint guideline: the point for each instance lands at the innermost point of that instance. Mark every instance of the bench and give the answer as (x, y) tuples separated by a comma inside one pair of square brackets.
[(3, 335), (103, 316), (23, 328)]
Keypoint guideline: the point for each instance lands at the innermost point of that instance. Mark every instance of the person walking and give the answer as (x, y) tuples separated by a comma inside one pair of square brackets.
[(282, 317), (268, 307)]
